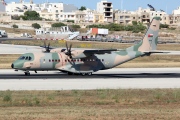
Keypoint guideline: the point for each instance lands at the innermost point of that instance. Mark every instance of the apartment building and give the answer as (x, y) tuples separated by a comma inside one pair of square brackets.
[(3, 16), (167, 19), (89, 17), (176, 16), (98, 17), (80, 16), (14, 8), (141, 15), (106, 8), (123, 17), (52, 11)]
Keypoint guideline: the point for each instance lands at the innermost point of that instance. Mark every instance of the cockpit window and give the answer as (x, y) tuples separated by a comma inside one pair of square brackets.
[(27, 57), (30, 58), (21, 58)]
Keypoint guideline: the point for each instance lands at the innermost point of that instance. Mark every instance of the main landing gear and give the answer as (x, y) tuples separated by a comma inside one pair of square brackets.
[(27, 73), (83, 74), (89, 74)]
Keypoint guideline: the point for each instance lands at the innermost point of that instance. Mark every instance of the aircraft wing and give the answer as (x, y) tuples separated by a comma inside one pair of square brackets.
[(99, 51)]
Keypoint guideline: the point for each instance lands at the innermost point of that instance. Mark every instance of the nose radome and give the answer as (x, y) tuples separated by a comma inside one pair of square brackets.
[(12, 65)]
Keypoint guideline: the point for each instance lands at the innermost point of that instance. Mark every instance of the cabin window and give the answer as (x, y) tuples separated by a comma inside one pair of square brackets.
[(59, 60), (102, 60), (52, 60), (49, 60), (55, 60)]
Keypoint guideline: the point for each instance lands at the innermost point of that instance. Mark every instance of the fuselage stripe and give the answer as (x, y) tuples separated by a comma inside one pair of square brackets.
[(61, 58)]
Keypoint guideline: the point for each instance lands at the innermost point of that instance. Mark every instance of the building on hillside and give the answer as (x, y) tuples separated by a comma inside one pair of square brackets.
[(167, 19), (177, 11), (80, 16), (89, 17), (65, 16), (18, 9), (141, 15), (3, 16), (123, 17), (98, 17), (106, 8), (176, 16), (52, 11)]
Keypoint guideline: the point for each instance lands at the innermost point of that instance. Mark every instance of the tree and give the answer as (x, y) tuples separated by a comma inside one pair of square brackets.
[(82, 8), (15, 26), (31, 15), (58, 24), (70, 21), (36, 25), (134, 22), (164, 26), (15, 17)]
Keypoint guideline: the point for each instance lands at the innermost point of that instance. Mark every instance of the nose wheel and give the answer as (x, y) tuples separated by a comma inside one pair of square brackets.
[(27, 73)]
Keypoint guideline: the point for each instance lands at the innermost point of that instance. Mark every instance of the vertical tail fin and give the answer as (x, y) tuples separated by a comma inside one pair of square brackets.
[(150, 40)]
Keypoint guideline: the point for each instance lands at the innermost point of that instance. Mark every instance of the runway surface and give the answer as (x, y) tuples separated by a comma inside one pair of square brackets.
[(18, 49), (123, 78), (21, 49)]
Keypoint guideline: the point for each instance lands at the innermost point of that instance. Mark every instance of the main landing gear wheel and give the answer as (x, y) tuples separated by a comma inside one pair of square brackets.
[(69, 73), (27, 73), (89, 74), (83, 74)]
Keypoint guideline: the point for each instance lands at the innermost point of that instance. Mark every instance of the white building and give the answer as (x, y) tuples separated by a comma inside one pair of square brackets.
[(176, 12), (65, 16), (53, 11), (14, 8), (89, 17), (50, 10), (157, 13), (106, 8)]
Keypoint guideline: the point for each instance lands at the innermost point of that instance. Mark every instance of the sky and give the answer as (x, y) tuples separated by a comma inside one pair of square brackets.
[(130, 5)]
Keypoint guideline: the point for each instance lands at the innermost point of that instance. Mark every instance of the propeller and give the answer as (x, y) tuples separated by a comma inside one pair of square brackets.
[(47, 48), (68, 53)]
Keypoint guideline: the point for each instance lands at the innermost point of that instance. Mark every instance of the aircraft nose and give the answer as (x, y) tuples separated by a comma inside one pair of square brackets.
[(12, 65)]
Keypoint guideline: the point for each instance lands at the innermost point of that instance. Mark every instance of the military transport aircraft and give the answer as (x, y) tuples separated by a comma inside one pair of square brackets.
[(85, 62)]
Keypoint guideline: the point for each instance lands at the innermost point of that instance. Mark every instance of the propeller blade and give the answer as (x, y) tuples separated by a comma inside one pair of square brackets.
[(44, 44), (48, 45), (66, 46), (70, 47)]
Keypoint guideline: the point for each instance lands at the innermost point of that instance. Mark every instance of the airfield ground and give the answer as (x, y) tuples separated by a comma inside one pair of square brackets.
[(96, 104)]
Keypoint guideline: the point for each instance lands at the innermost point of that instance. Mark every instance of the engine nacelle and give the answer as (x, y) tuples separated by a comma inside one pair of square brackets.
[(77, 54)]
